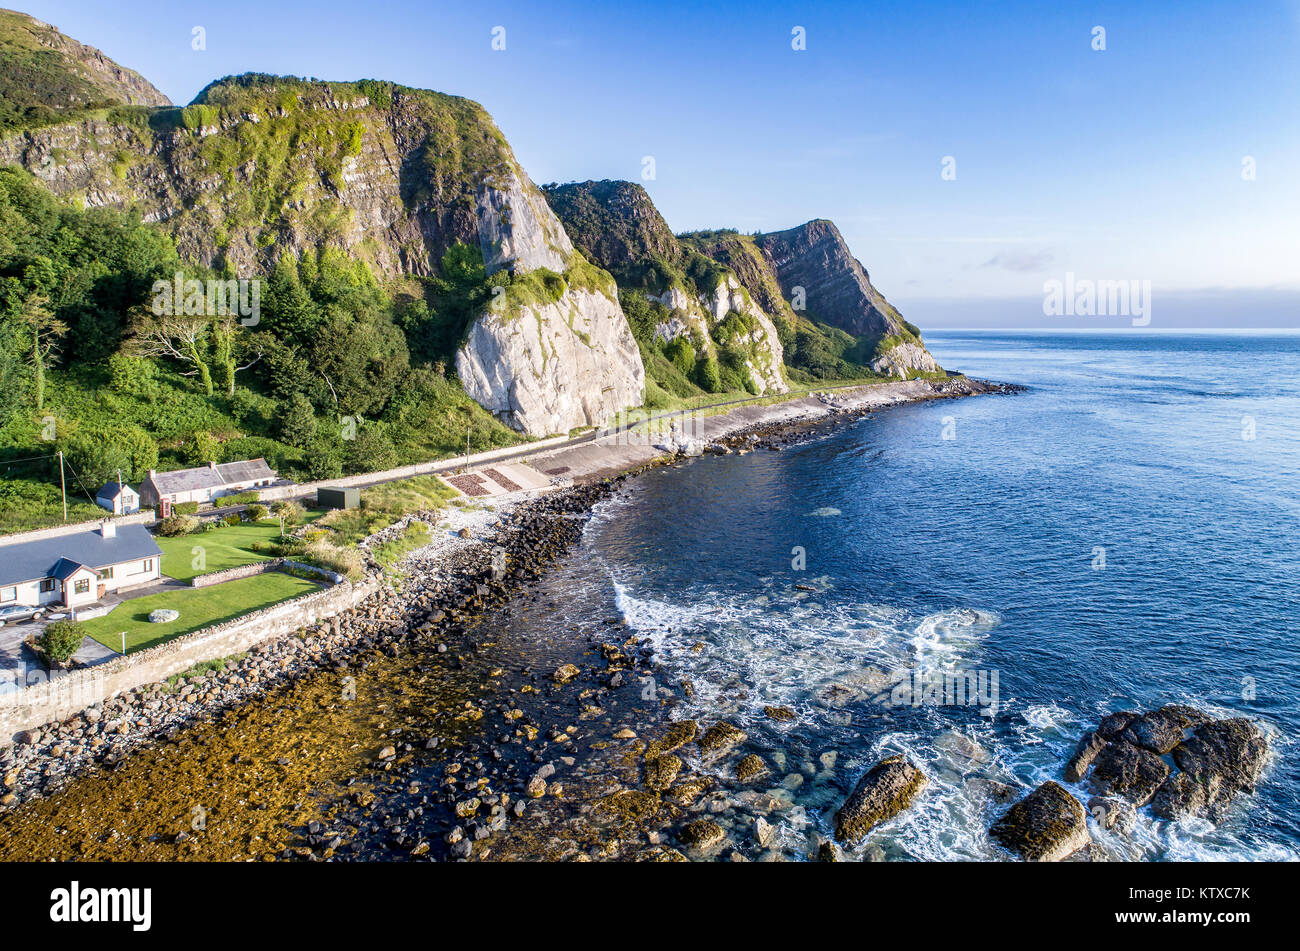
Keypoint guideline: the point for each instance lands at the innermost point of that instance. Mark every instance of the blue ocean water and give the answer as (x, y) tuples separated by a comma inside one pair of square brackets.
[(1120, 536)]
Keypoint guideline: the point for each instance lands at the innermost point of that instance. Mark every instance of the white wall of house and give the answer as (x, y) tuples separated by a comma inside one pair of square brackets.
[(79, 589), (125, 503), (130, 574)]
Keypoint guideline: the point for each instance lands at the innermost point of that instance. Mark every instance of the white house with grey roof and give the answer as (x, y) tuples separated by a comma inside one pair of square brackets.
[(79, 569), (119, 498), (205, 483)]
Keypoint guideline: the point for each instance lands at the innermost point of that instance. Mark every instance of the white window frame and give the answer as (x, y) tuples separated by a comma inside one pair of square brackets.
[(9, 594)]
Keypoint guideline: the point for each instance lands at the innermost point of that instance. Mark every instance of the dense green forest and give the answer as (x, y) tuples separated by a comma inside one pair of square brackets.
[(338, 374)]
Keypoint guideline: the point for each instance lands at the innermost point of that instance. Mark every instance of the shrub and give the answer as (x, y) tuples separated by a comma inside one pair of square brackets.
[(60, 640), (243, 498), (289, 510), (232, 519), (178, 524), (255, 512), (185, 508)]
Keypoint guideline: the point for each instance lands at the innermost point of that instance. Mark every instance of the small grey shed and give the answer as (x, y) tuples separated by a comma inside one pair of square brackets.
[(338, 498)]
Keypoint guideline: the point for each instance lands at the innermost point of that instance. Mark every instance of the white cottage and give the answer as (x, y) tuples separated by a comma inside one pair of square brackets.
[(77, 570), (119, 498), (205, 483)]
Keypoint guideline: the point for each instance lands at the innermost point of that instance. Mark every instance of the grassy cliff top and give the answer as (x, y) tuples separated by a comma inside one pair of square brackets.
[(46, 77)]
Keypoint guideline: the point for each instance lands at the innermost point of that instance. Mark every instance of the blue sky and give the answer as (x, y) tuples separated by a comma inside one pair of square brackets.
[(1117, 164)]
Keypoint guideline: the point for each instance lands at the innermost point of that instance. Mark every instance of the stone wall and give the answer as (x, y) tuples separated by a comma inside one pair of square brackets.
[(260, 567), (72, 528), (43, 700)]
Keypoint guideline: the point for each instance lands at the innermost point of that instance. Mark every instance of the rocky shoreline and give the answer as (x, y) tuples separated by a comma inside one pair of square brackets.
[(488, 784), (42, 760)]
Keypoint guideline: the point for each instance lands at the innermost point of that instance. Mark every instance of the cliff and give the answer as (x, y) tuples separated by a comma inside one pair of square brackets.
[(47, 75), (808, 272), (261, 166), (804, 299), (701, 303)]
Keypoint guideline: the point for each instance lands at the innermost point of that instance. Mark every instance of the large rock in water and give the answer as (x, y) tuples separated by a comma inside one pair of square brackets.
[(1127, 770), (885, 791), (1216, 759), (1219, 760), (1046, 826)]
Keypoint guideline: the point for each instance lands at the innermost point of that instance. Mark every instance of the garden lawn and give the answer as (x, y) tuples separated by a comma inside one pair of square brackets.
[(227, 547), (198, 608)]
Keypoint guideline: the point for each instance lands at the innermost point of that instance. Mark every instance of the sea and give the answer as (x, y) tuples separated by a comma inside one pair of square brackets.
[(974, 583)]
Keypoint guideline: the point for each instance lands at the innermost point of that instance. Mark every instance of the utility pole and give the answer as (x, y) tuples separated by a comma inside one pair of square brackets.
[(117, 501), (468, 429), (63, 486)]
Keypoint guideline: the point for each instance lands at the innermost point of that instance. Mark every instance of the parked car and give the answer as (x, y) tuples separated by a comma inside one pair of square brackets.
[(14, 613)]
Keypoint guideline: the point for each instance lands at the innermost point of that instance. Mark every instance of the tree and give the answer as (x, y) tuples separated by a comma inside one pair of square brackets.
[(708, 375), (44, 330), (98, 454), (298, 424), (60, 640), (183, 339)]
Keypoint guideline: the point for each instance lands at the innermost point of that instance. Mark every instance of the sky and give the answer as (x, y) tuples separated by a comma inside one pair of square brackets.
[(1171, 156)]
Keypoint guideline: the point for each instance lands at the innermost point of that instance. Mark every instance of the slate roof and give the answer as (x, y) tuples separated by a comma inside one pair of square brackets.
[(31, 561), (65, 568), (112, 490), (208, 477)]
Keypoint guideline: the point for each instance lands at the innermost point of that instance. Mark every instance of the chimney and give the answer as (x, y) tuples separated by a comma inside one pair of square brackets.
[(108, 528), (152, 473), (212, 464)]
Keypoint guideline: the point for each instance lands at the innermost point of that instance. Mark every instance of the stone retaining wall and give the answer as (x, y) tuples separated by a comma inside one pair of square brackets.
[(43, 700)]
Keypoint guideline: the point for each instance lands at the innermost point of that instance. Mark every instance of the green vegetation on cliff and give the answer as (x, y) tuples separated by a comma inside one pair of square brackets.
[(341, 373), (46, 77)]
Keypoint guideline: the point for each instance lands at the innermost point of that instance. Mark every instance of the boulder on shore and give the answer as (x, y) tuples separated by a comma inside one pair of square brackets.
[(1046, 826), (886, 790)]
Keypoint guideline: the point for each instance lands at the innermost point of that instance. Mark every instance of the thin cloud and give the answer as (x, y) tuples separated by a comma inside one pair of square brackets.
[(1020, 261)]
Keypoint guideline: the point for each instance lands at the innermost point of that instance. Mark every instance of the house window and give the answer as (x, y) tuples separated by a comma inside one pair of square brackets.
[(106, 574), (148, 565), (82, 586), (47, 584), (8, 594)]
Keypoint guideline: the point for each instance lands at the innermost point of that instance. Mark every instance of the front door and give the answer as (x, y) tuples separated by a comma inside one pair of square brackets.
[(99, 593)]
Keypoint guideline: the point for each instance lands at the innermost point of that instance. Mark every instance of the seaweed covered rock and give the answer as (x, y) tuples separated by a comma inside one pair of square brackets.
[(1046, 826), (702, 834), (661, 772), (676, 736), (720, 738), (750, 767), (887, 789)]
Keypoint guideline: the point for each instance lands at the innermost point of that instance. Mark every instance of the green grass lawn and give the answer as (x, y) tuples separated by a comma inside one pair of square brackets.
[(227, 547), (198, 607)]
